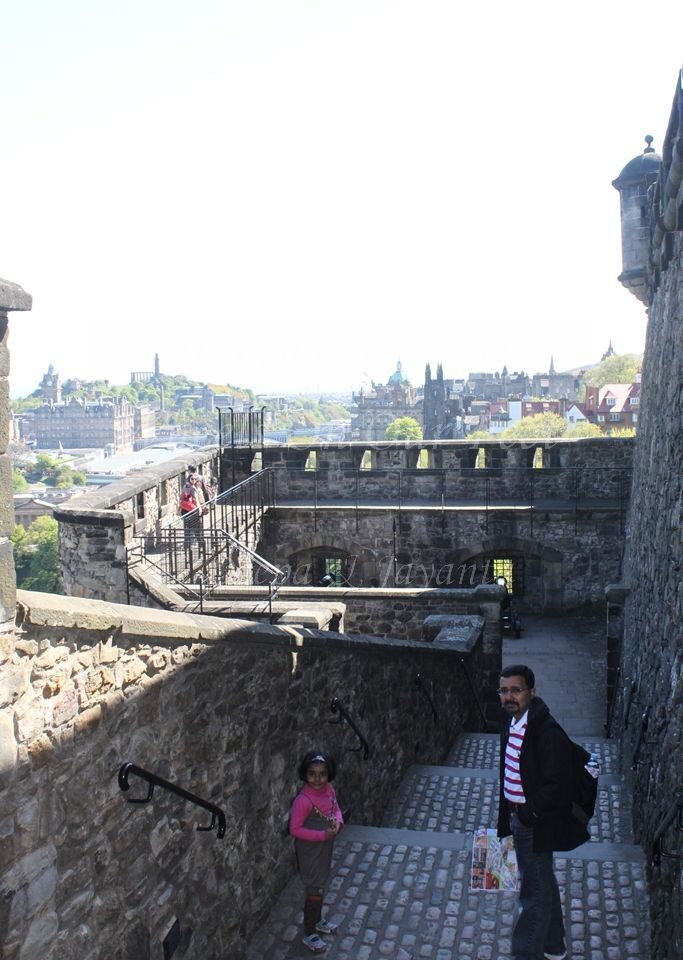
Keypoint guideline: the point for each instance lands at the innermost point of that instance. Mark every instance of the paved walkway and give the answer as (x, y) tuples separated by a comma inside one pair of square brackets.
[(401, 890)]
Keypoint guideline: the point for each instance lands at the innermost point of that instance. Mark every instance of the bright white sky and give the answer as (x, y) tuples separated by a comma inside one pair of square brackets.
[(293, 194)]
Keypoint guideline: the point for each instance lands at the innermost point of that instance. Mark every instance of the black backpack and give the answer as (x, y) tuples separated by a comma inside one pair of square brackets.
[(585, 785)]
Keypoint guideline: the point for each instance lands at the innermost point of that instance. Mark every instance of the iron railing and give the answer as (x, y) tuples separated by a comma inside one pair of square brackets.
[(198, 549), (420, 685), (152, 780), (520, 488), (675, 812), (336, 706)]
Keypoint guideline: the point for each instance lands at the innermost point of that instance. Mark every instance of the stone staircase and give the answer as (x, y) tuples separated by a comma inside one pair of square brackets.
[(402, 890)]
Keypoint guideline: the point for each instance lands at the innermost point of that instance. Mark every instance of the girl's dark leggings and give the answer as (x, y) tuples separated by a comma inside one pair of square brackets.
[(313, 908)]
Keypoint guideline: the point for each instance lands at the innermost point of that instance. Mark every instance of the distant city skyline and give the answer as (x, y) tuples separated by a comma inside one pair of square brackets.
[(285, 195), (382, 378)]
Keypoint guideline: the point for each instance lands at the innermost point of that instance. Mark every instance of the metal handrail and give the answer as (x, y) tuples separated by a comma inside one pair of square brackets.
[(217, 815), (642, 739), (419, 683), (675, 812), (336, 706), (473, 691), (631, 697)]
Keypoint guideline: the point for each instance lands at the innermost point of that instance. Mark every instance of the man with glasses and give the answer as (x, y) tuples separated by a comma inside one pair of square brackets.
[(535, 808)]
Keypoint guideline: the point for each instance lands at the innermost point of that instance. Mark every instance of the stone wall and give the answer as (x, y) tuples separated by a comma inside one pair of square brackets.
[(652, 656), (589, 470), (568, 556), (223, 709), (12, 298), (393, 614), (98, 530)]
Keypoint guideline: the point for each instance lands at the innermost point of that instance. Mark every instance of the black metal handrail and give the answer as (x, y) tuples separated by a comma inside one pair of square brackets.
[(630, 697), (217, 815), (612, 706), (336, 706), (675, 812), (473, 691), (642, 739), (419, 683)]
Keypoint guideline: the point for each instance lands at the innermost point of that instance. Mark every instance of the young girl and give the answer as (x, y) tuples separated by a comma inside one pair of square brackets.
[(314, 823)]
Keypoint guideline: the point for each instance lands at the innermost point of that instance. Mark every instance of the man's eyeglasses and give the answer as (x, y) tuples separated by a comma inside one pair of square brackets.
[(502, 691)]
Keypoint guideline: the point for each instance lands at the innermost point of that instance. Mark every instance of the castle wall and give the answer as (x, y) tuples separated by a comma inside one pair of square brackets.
[(568, 557), (224, 710), (98, 530), (649, 712), (12, 298), (391, 613), (653, 641)]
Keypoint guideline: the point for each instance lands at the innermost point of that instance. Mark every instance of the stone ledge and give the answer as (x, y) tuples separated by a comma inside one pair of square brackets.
[(14, 297), (56, 611)]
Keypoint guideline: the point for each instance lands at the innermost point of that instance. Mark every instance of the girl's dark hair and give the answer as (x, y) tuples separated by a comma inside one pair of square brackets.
[(318, 756)]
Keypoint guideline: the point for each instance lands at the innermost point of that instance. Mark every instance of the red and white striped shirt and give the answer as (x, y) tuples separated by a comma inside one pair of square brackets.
[(512, 781)]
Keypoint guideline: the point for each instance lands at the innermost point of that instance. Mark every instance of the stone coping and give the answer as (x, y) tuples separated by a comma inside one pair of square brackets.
[(440, 444), (14, 297), (54, 611), (482, 593), (89, 505)]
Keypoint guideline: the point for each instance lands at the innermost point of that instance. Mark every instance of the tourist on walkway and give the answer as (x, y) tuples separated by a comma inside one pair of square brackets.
[(314, 822), (535, 808)]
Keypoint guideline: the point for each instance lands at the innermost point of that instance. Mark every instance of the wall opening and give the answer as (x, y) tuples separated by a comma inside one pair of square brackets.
[(312, 461), (257, 462), (537, 462), (424, 460), (480, 460), (367, 461)]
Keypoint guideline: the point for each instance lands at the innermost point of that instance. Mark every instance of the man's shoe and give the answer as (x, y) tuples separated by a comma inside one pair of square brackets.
[(313, 942), (555, 956), (324, 926)]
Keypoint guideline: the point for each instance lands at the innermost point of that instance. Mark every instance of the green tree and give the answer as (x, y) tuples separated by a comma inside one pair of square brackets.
[(36, 556), (619, 368), (542, 425), (404, 428), (19, 481), (584, 429), (623, 432)]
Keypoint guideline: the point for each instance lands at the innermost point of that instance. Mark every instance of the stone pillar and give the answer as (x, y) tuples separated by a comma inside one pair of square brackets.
[(12, 297)]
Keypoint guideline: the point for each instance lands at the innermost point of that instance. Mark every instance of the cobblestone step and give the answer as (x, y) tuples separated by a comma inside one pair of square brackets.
[(409, 900), (401, 890)]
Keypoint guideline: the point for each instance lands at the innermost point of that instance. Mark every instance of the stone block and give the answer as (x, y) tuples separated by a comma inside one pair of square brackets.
[(6, 501), (14, 682), (4, 414), (13, 297), (8, 748), (8, 583)]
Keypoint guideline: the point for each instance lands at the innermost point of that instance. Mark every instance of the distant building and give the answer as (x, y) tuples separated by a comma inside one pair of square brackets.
[(556, 386), (50, 386), (614, 406), (144, 423), (384, 404), (79, 423), (443, 406)]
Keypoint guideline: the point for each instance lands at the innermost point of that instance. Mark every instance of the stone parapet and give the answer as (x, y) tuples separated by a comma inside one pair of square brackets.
[(12, 298), (223, 709)]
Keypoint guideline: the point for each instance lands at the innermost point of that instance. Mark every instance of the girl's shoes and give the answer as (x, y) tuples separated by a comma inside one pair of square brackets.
[(314, 943), (324, 926)]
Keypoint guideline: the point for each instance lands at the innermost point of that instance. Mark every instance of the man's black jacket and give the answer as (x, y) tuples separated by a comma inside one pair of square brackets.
[(547, 780)]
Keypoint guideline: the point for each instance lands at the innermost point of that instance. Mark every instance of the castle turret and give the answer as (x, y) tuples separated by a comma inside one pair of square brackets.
[(633, 184)]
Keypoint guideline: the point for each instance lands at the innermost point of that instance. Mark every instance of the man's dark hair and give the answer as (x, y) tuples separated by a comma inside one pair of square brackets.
[(520, 670)]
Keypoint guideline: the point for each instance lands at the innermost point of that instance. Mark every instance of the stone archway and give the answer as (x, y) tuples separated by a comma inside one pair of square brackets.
[(304, 559), (541, 582)]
